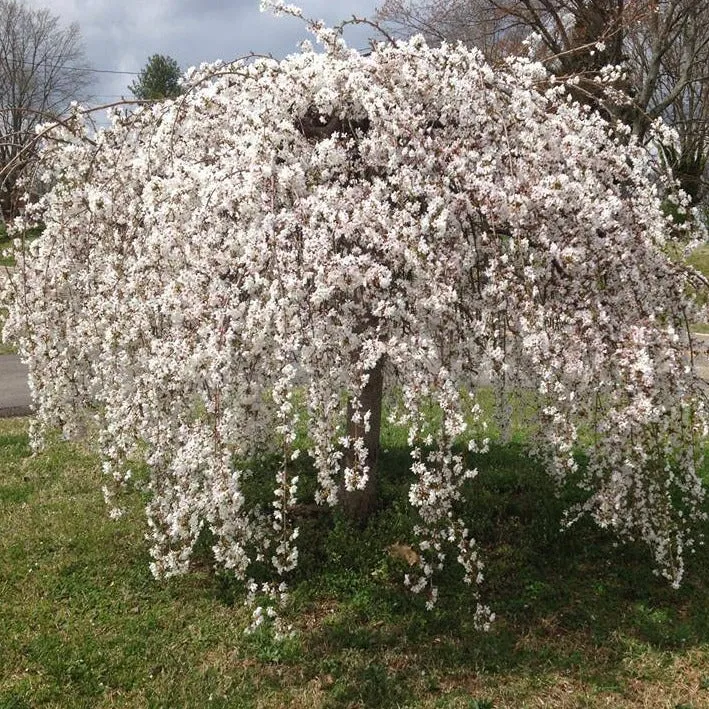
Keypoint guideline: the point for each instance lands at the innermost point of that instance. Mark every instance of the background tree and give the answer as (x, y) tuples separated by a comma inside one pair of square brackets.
[(159, 79), (476, 23), (662, 46), (42, 69)]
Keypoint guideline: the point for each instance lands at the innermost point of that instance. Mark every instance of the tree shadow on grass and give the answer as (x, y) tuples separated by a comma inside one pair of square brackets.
[(571, 601)]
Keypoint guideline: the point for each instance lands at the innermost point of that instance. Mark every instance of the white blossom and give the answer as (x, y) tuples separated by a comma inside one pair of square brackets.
[(217, 272)]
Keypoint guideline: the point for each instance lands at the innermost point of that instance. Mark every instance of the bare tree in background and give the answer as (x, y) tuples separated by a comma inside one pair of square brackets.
[(662, 44), (676, 85), (477, 23), (42, 69)]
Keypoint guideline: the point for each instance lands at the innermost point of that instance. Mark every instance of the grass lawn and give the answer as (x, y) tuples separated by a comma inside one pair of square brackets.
[(699, 258), (4, 348), (4, 244), (581, 623)]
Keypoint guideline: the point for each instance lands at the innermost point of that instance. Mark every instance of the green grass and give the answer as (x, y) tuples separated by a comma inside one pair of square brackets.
[(6, 259), (582, 623), (701, 328), (699, 258), (4, 348), (5, 242)]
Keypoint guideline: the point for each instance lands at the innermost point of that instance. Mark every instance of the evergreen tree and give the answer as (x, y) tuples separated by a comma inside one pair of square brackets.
[(158, 80)]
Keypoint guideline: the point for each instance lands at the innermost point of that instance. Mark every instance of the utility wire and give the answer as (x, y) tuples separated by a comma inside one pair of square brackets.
[(81, 68), (102, 71)]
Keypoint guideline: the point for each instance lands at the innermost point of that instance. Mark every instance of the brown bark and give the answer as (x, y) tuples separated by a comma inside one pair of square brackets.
[(358, 505)]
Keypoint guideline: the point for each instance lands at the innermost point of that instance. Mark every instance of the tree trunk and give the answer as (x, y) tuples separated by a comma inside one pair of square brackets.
[(358, 505)]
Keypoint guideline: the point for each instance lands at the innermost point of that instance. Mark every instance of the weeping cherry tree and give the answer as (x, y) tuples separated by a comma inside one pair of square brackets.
[(258, 263)]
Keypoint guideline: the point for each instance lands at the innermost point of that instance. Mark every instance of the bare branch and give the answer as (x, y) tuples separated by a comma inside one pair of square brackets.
[(41, 72)]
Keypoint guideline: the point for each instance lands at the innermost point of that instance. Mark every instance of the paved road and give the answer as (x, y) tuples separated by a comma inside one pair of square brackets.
[(14, 392)]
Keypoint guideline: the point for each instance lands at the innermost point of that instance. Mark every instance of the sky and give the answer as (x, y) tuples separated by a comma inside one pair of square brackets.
[(120, 35)]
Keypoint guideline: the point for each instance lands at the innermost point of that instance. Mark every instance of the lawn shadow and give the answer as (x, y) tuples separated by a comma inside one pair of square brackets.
[(572, 601)]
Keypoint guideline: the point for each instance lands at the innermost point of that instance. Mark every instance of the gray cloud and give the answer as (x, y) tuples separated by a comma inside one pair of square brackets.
[(122, 35)]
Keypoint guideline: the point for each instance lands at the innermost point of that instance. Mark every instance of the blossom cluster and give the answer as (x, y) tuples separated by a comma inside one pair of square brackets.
[(220, 271)]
